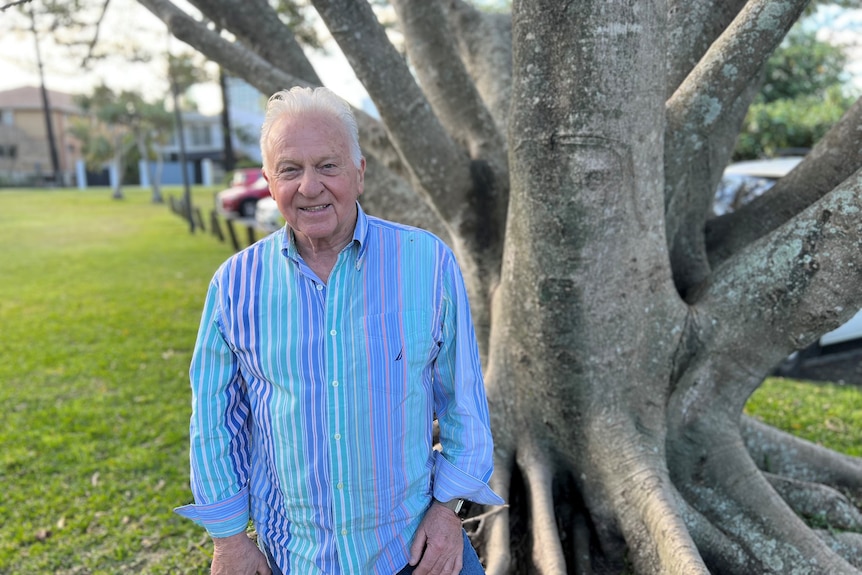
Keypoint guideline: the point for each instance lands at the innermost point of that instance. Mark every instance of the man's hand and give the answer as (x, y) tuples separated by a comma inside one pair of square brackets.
[(238, 555), (438, 548)]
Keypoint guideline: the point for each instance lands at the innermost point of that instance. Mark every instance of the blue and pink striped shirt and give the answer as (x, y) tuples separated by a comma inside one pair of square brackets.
[(313, 403)]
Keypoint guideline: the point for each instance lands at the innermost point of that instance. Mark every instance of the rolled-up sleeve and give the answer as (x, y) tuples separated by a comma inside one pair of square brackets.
[(219, 429), (466, 463)]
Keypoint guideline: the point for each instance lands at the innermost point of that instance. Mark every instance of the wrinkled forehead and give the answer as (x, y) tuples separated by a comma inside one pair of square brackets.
[(323, 132)]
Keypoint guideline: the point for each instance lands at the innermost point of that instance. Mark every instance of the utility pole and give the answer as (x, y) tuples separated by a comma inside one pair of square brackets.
[(225, 122), (46, 106), (178, 119)]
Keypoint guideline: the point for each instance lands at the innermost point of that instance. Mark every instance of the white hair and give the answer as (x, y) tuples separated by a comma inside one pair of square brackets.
[(299, 100)]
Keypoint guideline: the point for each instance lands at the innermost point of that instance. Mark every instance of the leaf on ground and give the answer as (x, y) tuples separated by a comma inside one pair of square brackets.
[(43, 535)]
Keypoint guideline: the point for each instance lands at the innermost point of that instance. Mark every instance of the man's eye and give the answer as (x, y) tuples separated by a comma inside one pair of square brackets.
[(328, 169)]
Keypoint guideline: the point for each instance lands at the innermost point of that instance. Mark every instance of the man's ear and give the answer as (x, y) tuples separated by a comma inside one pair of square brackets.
[(268, 183), (361, 175)]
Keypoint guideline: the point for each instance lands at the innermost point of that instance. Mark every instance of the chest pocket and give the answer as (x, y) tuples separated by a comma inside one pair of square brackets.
[(399, 348)]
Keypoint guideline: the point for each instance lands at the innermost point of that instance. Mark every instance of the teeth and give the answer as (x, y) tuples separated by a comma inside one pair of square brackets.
[(316, 208)]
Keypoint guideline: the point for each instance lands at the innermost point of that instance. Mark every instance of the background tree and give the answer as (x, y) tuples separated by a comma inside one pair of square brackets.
[(183, 74), (569, 153), (804, 94), (151, 126), (106, 137), (118, 123)]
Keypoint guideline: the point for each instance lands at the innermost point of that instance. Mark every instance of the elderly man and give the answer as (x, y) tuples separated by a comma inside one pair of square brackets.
[(324, 353)]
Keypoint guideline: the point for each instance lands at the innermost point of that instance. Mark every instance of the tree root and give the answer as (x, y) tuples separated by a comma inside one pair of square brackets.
[(817, 503), (720, 553), (735, 518), (498, 549), (649, 517), (777, 452), (848, 545), (547, 550), (734, 495)]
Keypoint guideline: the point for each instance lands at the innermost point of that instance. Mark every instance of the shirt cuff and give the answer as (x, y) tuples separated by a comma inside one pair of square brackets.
[(220, 519), (452, 483)]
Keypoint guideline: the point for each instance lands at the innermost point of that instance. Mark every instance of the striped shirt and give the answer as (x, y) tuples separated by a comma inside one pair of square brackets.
[(313, 403)]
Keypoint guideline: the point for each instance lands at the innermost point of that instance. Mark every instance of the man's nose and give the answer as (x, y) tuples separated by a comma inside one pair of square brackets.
[(310, 183)]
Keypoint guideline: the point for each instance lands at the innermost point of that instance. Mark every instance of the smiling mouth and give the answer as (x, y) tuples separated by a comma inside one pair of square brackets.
[(315, 208)]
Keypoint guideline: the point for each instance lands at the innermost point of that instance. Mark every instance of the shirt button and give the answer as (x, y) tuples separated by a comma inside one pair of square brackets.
[(337, 436), (339, 485), (319, 287), (334, 384), (344, 531), (332, 332)]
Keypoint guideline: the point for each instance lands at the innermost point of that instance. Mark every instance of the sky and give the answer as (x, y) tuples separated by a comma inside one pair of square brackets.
[(127, 17), (63, 72)]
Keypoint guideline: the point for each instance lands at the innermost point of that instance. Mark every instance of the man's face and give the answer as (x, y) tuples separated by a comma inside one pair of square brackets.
[(313, 180)]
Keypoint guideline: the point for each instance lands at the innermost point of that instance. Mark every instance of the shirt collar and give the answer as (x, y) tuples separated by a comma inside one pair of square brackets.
[(360, 235)]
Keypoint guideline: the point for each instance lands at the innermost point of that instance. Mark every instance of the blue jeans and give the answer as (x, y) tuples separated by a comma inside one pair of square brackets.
[(471, 564)]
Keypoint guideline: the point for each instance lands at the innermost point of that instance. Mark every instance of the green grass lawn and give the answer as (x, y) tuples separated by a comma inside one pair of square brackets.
[(99, 305), (828, 414)]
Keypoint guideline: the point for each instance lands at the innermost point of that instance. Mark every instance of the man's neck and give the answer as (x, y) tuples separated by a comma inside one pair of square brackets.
[(320, 258)]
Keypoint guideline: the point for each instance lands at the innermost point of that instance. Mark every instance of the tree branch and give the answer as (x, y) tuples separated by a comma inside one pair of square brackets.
[(440, 168), (98, 26), (730, 64), (711, 97), (484, 41), (444, 79), (239, 61), (269, 79), (243, 63), (257, 25), (456, 102), (693, 25), (834, 158), (786, 289), (8, 5)]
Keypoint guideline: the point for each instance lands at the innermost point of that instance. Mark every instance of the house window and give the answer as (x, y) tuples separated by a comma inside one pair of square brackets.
[(201, 136), (8, 151), (7, 118)]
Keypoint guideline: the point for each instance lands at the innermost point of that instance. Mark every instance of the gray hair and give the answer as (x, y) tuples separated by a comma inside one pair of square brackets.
[(299, 100)]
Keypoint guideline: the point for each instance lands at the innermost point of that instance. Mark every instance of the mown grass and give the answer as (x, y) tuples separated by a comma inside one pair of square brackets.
[(99, 305), (825, 413)]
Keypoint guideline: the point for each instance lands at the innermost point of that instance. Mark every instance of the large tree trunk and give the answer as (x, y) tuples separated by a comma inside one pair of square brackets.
[(622, 331)]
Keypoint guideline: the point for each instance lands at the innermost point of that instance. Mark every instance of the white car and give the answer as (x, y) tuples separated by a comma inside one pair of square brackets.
[(744, 181), (267, 216)]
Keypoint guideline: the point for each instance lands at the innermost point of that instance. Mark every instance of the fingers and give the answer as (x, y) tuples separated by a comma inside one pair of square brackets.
[(439, 566), (417, 547)]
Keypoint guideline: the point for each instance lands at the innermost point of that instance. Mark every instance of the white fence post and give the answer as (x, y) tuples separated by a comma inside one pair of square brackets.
[(207, 171), (144, 173), (81, 174)]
